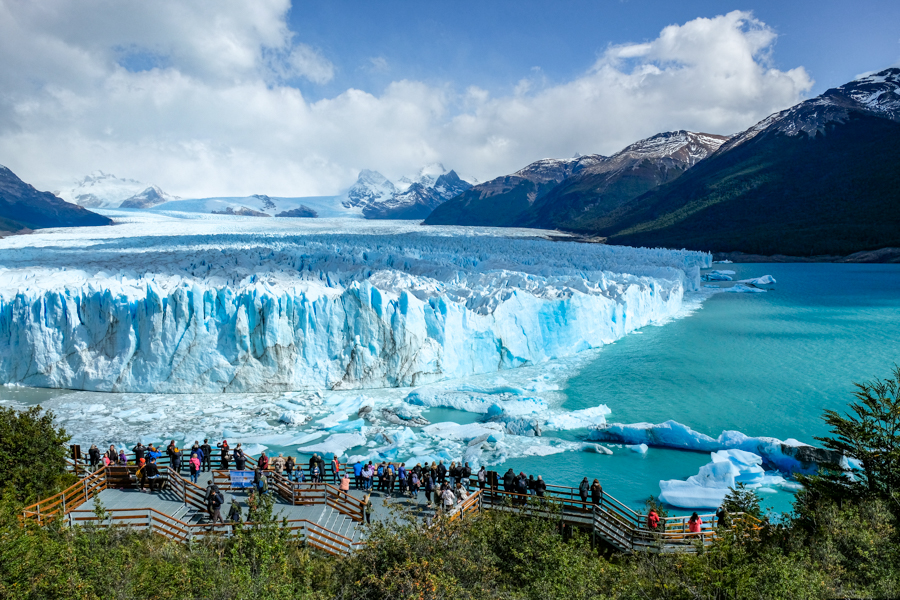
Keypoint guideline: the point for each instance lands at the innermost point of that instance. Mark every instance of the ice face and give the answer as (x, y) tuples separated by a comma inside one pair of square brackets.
[(251, 307)]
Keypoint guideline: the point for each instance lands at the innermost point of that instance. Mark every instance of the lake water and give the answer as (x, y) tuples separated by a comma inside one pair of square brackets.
[(763, 364)]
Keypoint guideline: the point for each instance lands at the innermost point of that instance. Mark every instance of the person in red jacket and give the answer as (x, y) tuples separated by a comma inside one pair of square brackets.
[(652, 520)]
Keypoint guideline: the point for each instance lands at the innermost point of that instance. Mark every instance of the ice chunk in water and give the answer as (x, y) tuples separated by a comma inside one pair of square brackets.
[(336, 444)]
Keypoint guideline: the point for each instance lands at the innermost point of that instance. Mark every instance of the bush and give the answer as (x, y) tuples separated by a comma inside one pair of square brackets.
[(32, 453)]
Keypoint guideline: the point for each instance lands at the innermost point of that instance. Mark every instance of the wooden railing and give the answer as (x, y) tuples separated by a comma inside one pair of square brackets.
[(68, 499), (470, 505), (344, 503), (170, 527)]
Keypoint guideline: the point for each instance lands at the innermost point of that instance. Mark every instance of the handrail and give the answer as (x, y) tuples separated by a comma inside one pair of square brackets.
[(471, 504), (69, 499), (344, 503), (315, 535)]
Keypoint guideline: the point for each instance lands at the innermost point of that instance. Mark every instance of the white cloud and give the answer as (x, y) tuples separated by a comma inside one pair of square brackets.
[(195, 98)]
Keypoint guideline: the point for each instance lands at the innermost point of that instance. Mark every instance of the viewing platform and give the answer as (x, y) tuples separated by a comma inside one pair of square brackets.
[(333, 521)]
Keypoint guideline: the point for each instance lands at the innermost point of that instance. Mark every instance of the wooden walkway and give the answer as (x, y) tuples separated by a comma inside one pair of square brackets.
[(332, 521)]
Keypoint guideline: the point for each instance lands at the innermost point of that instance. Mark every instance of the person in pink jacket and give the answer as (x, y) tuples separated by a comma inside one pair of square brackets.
[(195, 467)]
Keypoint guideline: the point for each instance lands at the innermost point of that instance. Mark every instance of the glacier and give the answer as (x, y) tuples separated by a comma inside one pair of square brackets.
[(165, 304)]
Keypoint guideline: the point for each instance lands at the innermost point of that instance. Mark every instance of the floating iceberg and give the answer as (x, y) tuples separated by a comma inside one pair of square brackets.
[(708, 488), (336, 444), (787, 456), (238, 306)]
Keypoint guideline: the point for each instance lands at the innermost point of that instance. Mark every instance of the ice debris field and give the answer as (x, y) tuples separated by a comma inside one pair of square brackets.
[(340, 336)]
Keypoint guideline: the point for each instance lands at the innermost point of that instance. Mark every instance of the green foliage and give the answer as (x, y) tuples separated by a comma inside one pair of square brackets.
[(741, 499), (870, 434), (653, 503), (32, 453)]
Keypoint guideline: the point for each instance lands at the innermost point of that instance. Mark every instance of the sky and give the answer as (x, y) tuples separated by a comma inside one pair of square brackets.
[(237, 97)]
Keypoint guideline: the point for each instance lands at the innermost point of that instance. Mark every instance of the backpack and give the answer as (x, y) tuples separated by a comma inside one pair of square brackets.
[(218, 500), (264, 484)]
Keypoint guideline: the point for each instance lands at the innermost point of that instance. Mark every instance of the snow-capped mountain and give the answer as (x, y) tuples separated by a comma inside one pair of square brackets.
[(104, 190), (877, 94), (152, 196), (819, 178), (407, 198), (22, 207), (570, 193)]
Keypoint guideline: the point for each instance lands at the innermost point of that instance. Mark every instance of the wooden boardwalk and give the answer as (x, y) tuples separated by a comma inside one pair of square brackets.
[(332, 521)]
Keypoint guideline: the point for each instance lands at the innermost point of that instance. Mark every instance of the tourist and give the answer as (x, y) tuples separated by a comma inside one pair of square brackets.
[(380, 473), (531, 485), (453, 474), (402, 479), (138, 450), (175, 459), (278, 463), (169, 450), (123, 460), (447, 499), (206, 459), (301, 474), (313, 462), (151, 472), (224, 454), (441, 473), (522, 488), (195, 466), (211, 489), (366, 475), (482, 477), (367, 508), (652, 520), (139, 474), (583, 488), (722, 517), (596, 492), (240, 458), (345, 485), (153, 454), (263, 461), (429, 488), (461, 492), (466, 474), (314, 473), (414, 485), (234, 513), (695, 524), (508, 480), (336, 467), (357, 474), (112, 455), (195, 449), (216, 501), (94, 457), (320, 462), (540, 486), (289, 465)]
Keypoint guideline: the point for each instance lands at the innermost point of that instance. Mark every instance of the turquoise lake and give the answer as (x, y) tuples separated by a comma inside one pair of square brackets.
[(763, 364)]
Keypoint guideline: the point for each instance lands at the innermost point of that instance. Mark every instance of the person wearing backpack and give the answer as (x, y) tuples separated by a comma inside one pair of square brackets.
[(211, 490), (216, 502), (482, 477), (357, 474), (583, 489), (414, 485), (466, 475), (263, 485)]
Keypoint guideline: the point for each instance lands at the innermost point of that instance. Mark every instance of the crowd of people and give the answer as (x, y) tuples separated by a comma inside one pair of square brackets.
[(444, 487)]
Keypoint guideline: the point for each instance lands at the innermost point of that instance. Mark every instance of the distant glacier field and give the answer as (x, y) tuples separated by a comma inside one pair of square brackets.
[(393, 341)]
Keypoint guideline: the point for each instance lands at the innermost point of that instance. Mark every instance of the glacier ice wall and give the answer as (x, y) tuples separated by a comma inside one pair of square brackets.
[(252, 311)]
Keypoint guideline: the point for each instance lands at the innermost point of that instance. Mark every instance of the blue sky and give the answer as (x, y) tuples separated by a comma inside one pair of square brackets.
[(494, 44), (231, 97)]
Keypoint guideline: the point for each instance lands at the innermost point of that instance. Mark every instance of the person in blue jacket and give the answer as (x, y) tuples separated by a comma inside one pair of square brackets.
[(357, 474)]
